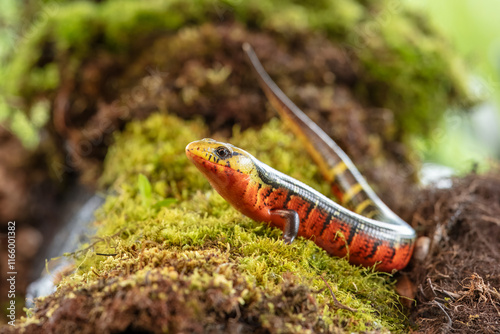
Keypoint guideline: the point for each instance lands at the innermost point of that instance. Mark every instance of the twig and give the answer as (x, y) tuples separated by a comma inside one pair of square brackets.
[(430, 285), (490, 219), (493, 303), (335, 300), (450, 294), (442, 309)]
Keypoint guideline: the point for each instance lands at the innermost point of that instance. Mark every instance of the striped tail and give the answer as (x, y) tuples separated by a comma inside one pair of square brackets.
[(337, 168)]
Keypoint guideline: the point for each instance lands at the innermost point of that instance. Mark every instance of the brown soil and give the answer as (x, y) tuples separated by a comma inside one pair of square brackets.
[(457, 284)]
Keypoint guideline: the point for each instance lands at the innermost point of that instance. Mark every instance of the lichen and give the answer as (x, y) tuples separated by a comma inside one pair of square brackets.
[(207, 261)]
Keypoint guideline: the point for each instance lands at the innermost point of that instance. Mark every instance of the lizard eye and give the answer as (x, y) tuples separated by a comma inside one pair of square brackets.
[(222, 152)]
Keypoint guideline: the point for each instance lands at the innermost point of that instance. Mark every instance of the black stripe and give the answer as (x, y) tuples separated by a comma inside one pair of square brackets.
[(326, 223), (265, 177), (375, 246), (352, 232), (393, 249), (288, 198), (309, 210)]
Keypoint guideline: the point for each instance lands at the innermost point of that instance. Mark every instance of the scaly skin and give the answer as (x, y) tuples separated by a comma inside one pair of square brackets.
[(264, 194), (337, 168)]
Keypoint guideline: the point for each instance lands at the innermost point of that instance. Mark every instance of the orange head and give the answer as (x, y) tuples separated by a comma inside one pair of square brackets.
[(228, 169)]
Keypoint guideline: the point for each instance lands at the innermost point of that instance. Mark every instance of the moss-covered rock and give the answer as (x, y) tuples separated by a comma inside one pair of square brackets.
[(194, 263)]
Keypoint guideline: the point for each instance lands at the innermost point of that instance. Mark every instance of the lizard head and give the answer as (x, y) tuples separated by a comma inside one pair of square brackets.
[(222, 164)]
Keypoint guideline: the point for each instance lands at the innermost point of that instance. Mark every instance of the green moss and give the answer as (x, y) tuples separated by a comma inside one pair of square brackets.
[(153, 153), (203, 239)]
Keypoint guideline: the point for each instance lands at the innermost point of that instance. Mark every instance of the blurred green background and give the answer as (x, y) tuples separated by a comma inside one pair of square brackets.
[(461, 141), (473, 27)]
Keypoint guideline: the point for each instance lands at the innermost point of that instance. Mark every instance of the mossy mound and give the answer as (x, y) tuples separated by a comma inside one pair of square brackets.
[(194, 263)]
